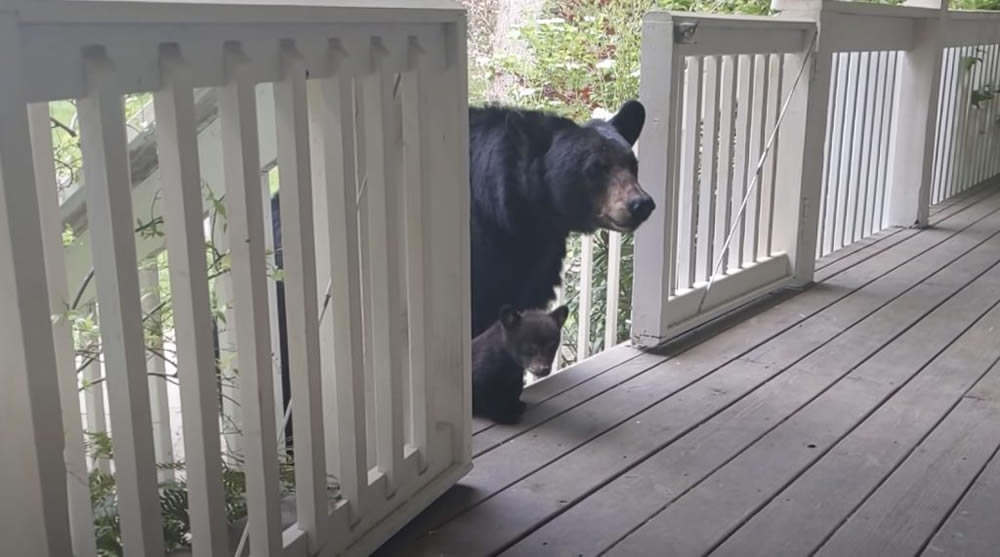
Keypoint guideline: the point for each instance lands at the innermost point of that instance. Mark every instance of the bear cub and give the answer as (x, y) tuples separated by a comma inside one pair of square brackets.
[(518, 341)]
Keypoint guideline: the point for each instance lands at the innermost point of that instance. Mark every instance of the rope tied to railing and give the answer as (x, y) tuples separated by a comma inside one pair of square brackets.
[(757, 172)]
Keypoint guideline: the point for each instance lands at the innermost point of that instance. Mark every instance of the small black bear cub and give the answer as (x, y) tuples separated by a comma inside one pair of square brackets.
[(518, 341)]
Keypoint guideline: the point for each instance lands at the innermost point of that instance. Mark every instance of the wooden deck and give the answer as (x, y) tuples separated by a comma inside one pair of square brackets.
[(860, 417)]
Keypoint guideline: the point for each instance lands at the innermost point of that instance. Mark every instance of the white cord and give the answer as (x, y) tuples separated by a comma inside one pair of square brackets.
[(756, 174)]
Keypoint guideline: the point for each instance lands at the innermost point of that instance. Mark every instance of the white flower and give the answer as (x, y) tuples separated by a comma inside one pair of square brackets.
[(525, 91), (482, 60), (635, 73), (589, 19), (606, 64), (573, 65), (552, 21), (601, 114)]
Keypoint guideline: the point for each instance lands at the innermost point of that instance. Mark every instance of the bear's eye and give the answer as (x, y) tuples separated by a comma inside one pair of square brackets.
[(597, 167)]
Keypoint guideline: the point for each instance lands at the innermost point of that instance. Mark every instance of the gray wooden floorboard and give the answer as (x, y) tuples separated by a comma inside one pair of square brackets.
[(973, 529), (528, 474), (564, 380), (798, 519), (725, 499), (902, 515)]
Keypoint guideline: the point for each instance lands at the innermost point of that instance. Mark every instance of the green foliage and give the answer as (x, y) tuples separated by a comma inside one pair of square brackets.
[(975, 4), (173, 495)]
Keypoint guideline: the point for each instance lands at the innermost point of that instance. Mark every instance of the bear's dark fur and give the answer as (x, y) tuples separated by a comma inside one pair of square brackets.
[(535, 178), (515, 343)]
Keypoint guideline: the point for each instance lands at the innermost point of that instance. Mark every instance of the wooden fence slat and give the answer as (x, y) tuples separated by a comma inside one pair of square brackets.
[(877, 105), (301, 302), (758, 134), (241, 164), (177, 149), (835, 125), (33, 509), (708, 175), (332, 125), (415, 124), (156, 369), (742, 166), (766, 186), (585, 297), (612, 290), (724, 195), (272, 304), (382, 149), (856, 161), (81, 517), (111, 226), (94, 387), (887, 138), (690, 163)]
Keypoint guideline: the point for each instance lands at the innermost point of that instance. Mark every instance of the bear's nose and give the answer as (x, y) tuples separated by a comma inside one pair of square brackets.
[(541, 371), (641, 207)]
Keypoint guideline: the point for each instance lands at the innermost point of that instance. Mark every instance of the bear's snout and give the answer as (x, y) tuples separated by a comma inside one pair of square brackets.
[(640, 207), (540, 371)]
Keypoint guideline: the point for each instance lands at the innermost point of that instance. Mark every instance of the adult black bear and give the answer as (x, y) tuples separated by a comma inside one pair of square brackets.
[(536, 178)]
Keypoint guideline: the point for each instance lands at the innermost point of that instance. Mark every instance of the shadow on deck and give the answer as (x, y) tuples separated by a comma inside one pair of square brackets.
[(859, 417)]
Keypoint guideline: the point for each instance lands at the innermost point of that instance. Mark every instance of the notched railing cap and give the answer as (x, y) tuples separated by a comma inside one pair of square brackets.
[(684, 32)]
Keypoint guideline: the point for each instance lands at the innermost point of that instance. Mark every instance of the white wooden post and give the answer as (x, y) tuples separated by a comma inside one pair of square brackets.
[(583, 305), (109, 207), (93, 394), (179, 165), (301, 300), (801, 139), (149, 281), (382, 150), (33, 508), (241, 163), (81, 518), (915, 122), (654, 255)]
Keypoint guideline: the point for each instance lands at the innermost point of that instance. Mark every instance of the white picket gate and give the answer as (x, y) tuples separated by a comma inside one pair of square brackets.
[(370, 135)]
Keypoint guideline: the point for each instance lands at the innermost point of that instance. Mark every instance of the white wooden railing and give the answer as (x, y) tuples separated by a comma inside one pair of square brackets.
[(858, 155), (369, 132), (895, 110)]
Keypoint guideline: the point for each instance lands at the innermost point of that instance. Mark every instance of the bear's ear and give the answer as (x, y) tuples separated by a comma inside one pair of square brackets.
[(509, 317), (521, 129), (560, 314), (629, 121)]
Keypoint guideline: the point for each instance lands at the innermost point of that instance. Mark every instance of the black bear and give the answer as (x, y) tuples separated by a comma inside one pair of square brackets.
[(516, 342), (535, 178)]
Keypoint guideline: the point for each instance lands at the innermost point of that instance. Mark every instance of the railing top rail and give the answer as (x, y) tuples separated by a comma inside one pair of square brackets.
[(731, 21), (978, 16), (868, 9), (113, 12), (131, 34), (723, 35)]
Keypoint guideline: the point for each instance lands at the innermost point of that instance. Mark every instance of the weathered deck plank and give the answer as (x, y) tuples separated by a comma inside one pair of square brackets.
[(596, 446), (777, 450), (798, 519), (901, 516), (971, 530)]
